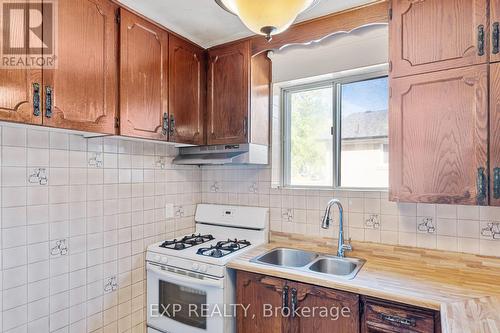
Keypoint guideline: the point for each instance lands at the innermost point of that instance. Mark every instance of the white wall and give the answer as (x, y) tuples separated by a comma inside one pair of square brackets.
[(363, 47), (105, 214)]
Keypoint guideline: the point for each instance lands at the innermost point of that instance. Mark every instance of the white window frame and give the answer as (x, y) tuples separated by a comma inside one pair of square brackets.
[(336, 84)]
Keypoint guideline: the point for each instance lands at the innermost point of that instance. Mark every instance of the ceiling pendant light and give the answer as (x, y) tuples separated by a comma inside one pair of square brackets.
[(267, 17)]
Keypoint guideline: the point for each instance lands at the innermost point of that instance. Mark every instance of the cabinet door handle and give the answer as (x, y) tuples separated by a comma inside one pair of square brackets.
[(284, 299), (398, 320), (36, 99), (496, 183), (294, 302), (48, 101), (481, 186), (164, 125), (172, 124), (480, 40), (495, 38)]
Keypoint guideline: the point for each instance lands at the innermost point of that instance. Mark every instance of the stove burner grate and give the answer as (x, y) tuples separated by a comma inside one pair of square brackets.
[(223, 248), (186, 242)]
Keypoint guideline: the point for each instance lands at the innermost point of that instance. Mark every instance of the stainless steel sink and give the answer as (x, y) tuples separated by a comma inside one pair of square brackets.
[(311, 262), (347, 267), (286, 257)]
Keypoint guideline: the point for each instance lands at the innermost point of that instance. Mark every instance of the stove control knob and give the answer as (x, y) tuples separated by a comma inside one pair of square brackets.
[(203, 268), (164, 260), (196, 266), (157, 258)]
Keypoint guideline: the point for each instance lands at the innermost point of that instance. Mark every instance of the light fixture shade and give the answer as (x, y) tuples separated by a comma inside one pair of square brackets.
[(267, 17)]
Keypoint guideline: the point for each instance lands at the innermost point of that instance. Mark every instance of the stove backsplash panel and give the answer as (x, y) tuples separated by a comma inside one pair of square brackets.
[(369, 215)]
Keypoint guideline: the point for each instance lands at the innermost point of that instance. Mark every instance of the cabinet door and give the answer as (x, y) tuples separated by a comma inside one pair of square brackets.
[(495, 30), (20, 88), (385, 317), (143, 78), (186, 96), (342, 310), (84, 83), (432, 35), (495, 134), (228, 94), (438, 132), (258, 293)]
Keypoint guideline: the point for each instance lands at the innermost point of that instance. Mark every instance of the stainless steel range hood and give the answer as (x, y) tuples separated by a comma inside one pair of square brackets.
[(223, 154)]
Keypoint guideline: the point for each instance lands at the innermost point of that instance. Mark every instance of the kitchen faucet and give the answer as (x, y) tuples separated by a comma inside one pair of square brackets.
[(342, 247)]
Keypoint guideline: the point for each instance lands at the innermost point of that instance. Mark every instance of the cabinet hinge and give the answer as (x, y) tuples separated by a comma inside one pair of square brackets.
[(117, 17), (117, 122)]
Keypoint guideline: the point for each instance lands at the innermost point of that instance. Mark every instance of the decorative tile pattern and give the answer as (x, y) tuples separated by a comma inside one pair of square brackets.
[(444, 227), (76, 217)]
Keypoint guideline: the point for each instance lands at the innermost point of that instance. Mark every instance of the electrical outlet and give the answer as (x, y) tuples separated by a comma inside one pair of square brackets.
[(169, 211)]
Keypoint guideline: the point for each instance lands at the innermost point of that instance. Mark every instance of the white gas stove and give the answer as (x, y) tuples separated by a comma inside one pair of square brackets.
[(188, 273)]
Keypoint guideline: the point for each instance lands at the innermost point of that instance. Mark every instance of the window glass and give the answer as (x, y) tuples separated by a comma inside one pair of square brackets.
[(336, 134), (311, 145), (364, 123)]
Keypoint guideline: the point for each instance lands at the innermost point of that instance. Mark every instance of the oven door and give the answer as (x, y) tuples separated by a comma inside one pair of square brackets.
[(179, 302)]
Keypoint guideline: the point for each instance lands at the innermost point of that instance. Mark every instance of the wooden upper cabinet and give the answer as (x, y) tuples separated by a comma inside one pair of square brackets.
[(143, 78), (84, 85), (20, 89), (228, 93), (314, 297), (187, 86), (495, 134), (238, 95), (495, 30), (438, 132), (432, 35)]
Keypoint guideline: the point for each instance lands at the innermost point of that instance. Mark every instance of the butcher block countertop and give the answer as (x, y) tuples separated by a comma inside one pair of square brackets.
[(465, 288)]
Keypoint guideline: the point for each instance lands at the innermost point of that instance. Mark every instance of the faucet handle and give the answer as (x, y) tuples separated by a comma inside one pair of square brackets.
[(348, 246)]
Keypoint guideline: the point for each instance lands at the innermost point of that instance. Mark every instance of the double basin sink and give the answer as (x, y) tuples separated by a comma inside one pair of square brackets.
[(311, 262)]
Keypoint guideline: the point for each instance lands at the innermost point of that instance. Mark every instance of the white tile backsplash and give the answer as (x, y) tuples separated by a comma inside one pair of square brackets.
[(445, 227), (100, 206)]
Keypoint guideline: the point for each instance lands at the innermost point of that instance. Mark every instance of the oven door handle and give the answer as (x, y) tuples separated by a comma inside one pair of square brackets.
[(185, 278)]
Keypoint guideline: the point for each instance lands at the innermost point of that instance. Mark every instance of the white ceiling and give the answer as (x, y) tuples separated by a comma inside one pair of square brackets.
[(206, 24)]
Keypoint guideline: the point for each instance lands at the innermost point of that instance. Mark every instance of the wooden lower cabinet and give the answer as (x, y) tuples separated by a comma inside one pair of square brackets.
[(271, 307), (385, 317), (257, 293), (267, 306)]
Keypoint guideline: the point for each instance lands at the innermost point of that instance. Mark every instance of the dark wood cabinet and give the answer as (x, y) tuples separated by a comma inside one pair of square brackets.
[(256, 292), (433, 35), (80, 91), (438, 132), (343, 307), (84, 85), (187, 87), (238, 95), (143, 78), (387, 317), (279, 305)]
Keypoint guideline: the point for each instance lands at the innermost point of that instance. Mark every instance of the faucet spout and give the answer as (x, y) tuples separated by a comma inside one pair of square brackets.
[(342, 246)]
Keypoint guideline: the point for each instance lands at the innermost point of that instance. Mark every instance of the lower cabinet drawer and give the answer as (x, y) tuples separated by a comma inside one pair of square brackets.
[(382, 316)]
